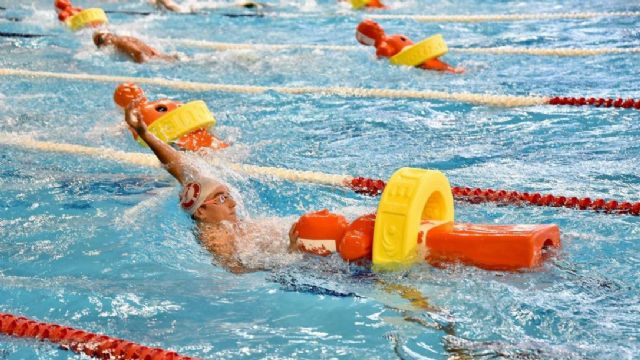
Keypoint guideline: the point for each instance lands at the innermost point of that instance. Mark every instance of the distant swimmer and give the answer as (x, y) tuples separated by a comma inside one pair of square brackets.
[(130, 46), (370, 33), (170, 5)]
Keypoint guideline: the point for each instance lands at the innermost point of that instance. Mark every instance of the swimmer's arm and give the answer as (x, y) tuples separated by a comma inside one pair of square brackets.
[(220, 244), (293, 238), (168, 156), (169, 5)]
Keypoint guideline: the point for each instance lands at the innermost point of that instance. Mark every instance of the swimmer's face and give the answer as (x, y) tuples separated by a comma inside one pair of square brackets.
[(218, 206)]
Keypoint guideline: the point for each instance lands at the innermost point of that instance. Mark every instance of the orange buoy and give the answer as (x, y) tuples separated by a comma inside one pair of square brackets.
[(402, 51), (357, 241), (192, 139), (320, 232), (491, 247), (127, 92)]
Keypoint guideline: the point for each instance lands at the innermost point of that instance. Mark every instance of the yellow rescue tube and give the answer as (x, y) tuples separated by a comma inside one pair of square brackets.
[(181, 121), (427, 49), (87, 17), (410, 197)]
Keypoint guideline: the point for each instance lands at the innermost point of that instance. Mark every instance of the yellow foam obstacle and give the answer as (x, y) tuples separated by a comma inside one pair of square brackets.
[(181, 121), (87, 17), (411, 197), (427, 49)]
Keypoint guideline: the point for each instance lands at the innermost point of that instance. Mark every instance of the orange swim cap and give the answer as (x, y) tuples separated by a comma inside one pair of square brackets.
[(127, 92), (369, 32)]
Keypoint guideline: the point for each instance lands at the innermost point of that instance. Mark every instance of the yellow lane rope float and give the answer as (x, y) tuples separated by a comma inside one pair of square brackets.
[(472, 98), (503, 50), (505, 17)]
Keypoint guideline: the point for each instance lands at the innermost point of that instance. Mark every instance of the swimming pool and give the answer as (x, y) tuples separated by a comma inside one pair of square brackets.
[(102, 246)]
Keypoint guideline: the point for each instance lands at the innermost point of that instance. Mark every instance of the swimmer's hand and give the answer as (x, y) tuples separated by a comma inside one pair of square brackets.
[(133, 118), (293, 238)]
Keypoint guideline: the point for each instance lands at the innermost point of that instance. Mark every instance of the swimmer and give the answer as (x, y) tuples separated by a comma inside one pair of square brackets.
[(207, 200), (370, 33), (137, 50), (169, 5), (172, 6)]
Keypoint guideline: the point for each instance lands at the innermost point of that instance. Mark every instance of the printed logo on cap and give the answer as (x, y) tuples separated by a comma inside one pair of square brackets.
[(189, 195)]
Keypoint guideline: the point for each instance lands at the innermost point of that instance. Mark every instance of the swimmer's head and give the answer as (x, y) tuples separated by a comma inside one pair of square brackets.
[(208, 201), (368, 32), (102, 37)]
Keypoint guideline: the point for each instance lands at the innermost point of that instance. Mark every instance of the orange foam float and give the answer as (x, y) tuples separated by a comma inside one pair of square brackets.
[(402, 51), (188, 126), (415, 222)]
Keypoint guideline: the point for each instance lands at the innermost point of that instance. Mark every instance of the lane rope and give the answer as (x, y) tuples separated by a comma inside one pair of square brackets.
[(361, 185), (505, 17), (471, 98), (82, 342), (503, 50)]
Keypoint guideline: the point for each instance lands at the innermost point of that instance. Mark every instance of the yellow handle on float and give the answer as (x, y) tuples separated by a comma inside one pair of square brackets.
[(87, 17), (410, 197), (358, 4), (181, 121), (427, 49)]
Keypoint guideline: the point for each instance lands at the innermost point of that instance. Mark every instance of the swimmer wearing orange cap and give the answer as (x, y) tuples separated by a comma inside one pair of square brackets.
[(150, 111), (130, 46), (370, 33)]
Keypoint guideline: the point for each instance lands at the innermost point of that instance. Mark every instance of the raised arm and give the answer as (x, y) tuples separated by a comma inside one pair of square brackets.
[(173, 161)]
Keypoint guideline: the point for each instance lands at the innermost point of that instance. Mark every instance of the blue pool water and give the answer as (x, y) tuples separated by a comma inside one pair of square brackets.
[(102, 246)]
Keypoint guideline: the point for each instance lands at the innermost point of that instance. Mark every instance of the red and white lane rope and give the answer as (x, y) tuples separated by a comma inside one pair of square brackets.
[(82, 342), (479, 99), (360, 185), (503, 50), (374, 187)]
